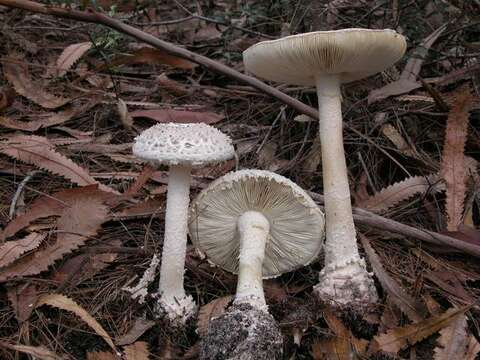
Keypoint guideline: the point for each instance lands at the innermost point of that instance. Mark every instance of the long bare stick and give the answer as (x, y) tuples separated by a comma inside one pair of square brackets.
[(360, 215), (99, 18)]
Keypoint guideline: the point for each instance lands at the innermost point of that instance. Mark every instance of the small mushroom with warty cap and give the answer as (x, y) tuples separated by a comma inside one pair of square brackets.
[(181, 147), (327, 59), (258, 225)]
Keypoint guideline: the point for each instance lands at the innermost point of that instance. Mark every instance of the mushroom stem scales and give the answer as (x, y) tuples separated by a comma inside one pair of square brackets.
[(253, 228), (175, 242), (344, 278)]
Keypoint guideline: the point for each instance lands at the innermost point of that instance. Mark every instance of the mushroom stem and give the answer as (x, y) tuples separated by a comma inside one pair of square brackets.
[(344, 278), (253, 228), (173, 299)]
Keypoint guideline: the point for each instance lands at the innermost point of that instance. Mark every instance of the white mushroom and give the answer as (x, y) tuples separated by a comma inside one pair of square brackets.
[(257, 224), (181, 146), (327, 59)]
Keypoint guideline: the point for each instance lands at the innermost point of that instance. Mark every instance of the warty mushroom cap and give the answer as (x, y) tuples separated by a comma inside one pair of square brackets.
[(296, 223), (351, 53), (183, 144)]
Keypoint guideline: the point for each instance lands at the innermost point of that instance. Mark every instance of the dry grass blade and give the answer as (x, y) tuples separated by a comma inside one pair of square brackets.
[(62, 302), (39, 352), (396, 339), (209, 311), (70, 55), (137, 351), (403, 190), (12, 250), (407, 304), (17, 75), (38, 151), (79, 221), (453, 166), (101, 355)]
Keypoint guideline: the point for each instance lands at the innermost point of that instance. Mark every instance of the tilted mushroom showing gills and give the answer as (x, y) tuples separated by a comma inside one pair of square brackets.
[(258, 225), (181, 146), (327, 59)]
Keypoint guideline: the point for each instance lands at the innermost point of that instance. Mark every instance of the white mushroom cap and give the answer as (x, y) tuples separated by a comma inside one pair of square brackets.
[(296, 223), (183, 144), (351, 53)]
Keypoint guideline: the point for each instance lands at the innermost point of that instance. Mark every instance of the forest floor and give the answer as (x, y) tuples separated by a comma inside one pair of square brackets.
[(81, 217)]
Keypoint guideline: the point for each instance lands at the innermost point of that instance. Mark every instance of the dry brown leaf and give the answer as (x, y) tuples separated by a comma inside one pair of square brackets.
[(101, 355), (70, 55), (79, 221), (39, 352), (50, 119), (211, 310), (141, 180), (147, 208), (12, 250), (401, 191), (453, 166), (85, 266), (178, 116), (62, 302), (138, 329), (407, 81), (17, 74), (415, 310), (396, 339), (397, 139), (150, 55), (343, 346), (473, 348), (23, 298), (40, 152), (137, 351), (7, 96), (453, 340)]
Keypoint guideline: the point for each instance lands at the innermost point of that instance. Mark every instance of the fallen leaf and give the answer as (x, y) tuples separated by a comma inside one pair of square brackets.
[(78, 222), (147, 208), (101, 355), (17, 74), (397, 139), (209, 311), (453, 165), (139, 327), (62, 302), (150, 55), (70, 55), (7, 96), (12, 250), (466, 233), (178, 116), (137, 351), (453, 340), (415, 310), (140, 181), (125, 117), (401, 191), (23, 298), (40, 152), (39, 352), (407, 81), (396, 339)]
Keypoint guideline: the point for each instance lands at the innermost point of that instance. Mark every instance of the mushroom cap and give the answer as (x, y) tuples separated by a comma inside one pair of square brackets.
[(183, 144), (296, 223), (350, 53)]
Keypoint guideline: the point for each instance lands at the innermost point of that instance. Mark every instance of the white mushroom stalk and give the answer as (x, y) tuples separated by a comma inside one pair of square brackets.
[(259, 225), (181, 146), (253, 228), (328, 59)]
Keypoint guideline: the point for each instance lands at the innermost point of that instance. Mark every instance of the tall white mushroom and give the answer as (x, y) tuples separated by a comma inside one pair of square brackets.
[(181, 147), (259, 225), (327, 59)]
